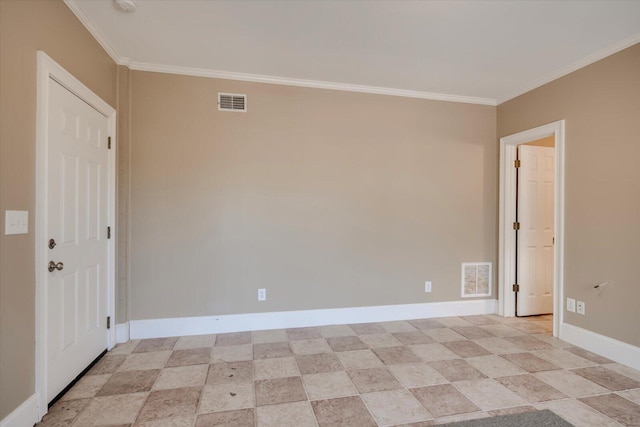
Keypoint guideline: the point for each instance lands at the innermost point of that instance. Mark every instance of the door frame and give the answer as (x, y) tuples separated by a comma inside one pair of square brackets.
[(48, 69), (507, 237)]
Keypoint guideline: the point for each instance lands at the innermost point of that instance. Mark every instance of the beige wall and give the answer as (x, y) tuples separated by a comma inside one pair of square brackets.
[(26, 26), (601, 106), (326, 198)]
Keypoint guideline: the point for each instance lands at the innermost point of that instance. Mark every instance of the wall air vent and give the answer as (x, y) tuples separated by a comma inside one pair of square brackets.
[(476, 279), (232, 102)]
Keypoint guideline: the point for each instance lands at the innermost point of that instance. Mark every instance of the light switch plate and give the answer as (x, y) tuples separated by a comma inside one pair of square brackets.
[(571, 305), (427, 286), (16, 222)]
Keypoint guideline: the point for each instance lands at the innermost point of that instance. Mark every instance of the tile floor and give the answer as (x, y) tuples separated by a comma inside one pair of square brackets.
[(418, 373)]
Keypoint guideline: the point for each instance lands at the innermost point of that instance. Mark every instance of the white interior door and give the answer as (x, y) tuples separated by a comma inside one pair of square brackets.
[(77, 211), (536, 234)]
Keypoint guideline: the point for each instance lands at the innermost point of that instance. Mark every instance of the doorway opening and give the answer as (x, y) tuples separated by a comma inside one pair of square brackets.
[(536, 250)]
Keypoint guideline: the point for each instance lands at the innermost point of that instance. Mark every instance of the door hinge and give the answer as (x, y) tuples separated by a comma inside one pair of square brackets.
[(108, 322), (516, 163), (109, 143), (516, 288), (516, 225), (108, 232)]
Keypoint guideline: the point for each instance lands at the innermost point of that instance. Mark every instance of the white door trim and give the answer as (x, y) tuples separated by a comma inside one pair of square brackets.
[(507, 240), (49, 69)]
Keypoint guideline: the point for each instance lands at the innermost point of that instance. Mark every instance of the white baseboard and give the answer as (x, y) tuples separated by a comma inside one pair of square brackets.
[(24, 415), (122, 332), (610, 348), (182, 326)]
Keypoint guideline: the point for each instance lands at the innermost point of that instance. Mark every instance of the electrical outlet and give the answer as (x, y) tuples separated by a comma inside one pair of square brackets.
[(427, 286), (262, 294), (571, 305), (580, 307)]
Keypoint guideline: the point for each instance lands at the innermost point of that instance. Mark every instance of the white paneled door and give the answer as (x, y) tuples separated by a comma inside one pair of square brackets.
[(536, 234), (77, 211)]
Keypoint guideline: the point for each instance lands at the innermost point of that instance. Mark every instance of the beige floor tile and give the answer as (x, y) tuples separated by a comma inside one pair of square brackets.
[(190, 356), (494, 366), (234, 338), (234, 353), (129, 382), (426, 324), (632, 395), (624, 370), (279, 390), (585, 354), (379, 340), (488, 394), (332, 331), (396, 355), (473, 332), (498, 345), (550, 339), (328, 385), (481, 319), (416, 375), (60, 415), (346, 343), (412, 338), (182, 376), (443, 335), (177, 402), (512, 411), (457, 370), (313, 346), (570, 383), (280, 367), (466, 348), (226, 397), (531, 388), (124, 348), (263, 337), (296, 414), (168, 422), (394, 407), (562, 358), (303, 333), (451, 322), (530, 327), (239, 418), (144, 361), (195, 341), (398, 326), (359, 359), (317, 363), (110, 410), (342, 412), (443, 400), (462, 417), (620, 409), (577, 413), (230, 372), (367, 328), (500, 330), (607, 378), (433, 352), (87, 387), (108, 364), (373, 379), (156, 344), (529, 362), (528, 343), (272, 350)]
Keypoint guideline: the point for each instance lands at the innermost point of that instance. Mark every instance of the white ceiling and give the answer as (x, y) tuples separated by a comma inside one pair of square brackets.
[(471, 51)]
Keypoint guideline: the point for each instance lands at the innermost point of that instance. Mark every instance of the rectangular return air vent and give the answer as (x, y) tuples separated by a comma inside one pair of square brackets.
[(476, 279), (232, 102)]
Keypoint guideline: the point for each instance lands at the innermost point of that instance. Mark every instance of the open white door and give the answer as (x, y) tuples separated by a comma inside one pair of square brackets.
[(536, 235)]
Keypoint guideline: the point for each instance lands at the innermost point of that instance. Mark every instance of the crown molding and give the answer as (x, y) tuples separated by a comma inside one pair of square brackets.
[(95, 32), (316, 84), (594, 57)]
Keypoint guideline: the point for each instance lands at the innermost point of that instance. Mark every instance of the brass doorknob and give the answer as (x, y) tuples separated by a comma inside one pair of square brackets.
[(53, 266)]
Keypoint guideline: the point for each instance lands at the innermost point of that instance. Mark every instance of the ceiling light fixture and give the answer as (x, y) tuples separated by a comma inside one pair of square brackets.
[(127, 6)]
